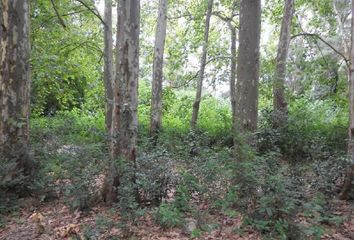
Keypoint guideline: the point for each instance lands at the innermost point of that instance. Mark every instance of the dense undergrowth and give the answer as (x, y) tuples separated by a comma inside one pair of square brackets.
[(197, 174)]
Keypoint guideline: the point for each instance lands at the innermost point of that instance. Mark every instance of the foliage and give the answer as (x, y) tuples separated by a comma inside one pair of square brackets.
[(70, 159), (314, 130), (292, 172), (168, 215), (128, 191), (63, 77), (12, 179), (82, 172), (153, 176)]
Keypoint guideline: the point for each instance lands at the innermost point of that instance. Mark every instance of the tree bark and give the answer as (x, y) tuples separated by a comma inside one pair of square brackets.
[(14, 88), (349, 177), (248, 66), (280, 108), (233, 72), (157, 73), (108, 62), (198, 96), (124, 119)]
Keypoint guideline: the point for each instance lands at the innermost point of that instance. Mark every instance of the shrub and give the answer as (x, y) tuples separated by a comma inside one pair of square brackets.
[(168, 215), (315, 130), (154, 176), (81, 169)]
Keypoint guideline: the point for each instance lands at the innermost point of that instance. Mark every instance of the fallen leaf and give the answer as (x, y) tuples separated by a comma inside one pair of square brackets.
[(68, 230)]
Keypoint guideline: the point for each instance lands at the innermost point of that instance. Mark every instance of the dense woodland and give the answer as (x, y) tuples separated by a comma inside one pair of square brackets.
[(176, 119)]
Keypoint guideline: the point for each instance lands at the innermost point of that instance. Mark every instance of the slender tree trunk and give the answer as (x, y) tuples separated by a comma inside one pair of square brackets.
[(248, 66), (349, 177), (124, 126), (233, 72), (157, 73), (108, 62), (198, 96), (340, 29), (14, 88), (279, 102)]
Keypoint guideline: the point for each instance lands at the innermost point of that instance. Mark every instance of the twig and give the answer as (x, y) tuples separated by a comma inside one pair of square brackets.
[(74, 12), (189, 15), (324, 41), (61, 21), (197, 73), (227, 19), (92, 11)]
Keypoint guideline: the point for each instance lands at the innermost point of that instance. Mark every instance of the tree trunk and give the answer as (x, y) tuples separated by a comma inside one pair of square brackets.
[(248, 66), (157, 73), (124, 119), (349, 177), (198, 96), (108, 62), (233, 72), (14, 89), (280, 108), (341, 29)]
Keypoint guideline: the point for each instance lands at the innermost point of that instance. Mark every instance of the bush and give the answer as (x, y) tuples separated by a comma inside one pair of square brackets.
[(168, 215), (315, 130), (69, 128), (70, 158), (154, 176), (82, 173)]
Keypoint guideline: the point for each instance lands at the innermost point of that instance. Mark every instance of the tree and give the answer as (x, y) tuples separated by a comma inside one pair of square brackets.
[(108, 61), (341, 22), (248, 66), (279, 101), (347, 187), (157, 78), (14, 89), (125, 100), (198, 96), (64, 73), (233, 52)]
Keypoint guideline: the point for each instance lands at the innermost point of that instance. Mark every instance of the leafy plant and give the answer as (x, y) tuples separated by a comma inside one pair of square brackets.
[(168, 215)]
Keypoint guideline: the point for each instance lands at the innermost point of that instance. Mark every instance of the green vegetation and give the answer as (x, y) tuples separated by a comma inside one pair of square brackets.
[(71, 147), (281, 185)]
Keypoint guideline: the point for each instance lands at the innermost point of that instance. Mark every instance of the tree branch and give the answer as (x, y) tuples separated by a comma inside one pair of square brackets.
[(74, 12), (93, 11), (221, 16), (315, 35), (197, 73), (61, 21), (226, 19), (189, 15), (77, 45)]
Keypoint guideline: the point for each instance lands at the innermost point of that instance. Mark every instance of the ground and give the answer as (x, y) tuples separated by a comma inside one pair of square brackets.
[(53, 220)]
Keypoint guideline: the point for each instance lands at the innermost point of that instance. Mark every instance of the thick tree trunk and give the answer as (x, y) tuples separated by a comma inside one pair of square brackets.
[(233, 72), (124, 119), (157, 73), (108, 62), (248, 66), (198, 96), (349, 177), (14, 88), (279, 102)]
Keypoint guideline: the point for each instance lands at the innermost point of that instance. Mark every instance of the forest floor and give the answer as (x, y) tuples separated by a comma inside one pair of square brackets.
[(56, 218), (53, 220)]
